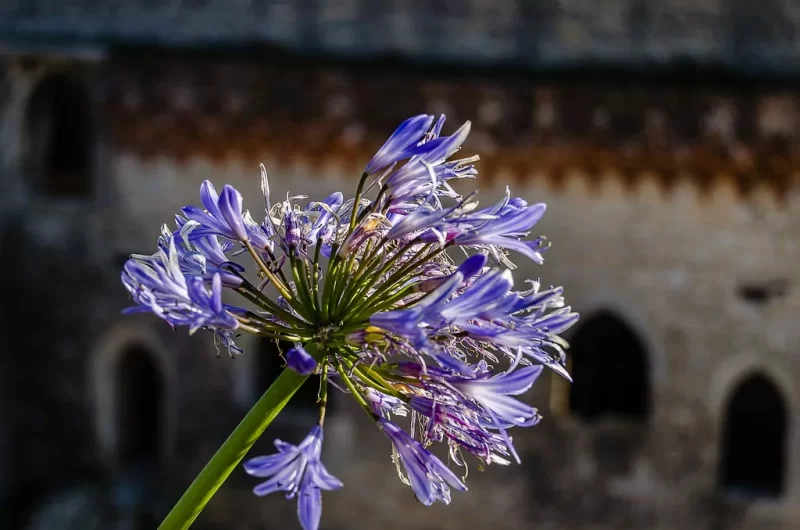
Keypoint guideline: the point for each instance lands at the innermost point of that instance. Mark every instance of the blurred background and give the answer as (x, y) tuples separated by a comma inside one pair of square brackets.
[(663, 135)]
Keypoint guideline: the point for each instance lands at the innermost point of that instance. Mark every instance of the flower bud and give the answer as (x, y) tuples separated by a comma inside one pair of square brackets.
[(299, 360)]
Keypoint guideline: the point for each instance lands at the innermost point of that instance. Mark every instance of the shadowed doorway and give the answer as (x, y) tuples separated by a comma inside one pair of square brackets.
[(60, 138), (140, 410), (610, 371), (754, 441)]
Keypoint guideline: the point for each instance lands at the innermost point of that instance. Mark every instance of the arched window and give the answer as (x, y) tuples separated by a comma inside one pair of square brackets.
[(140, 395), (60, 138), (270, 364), (609, 370), (754, 440)]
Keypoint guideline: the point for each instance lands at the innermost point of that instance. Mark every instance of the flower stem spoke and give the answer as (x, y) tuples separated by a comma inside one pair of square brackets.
[(357, 202), (268, 273), (249, 291), (353, 390), (335, 279), (315, 273), (306, 307), (341, 286), (328, 282), (378, 304), (374, 207), (358, 286), (270, 334), (383, 270), (368, 373), (256, 320), (279, 270), (323, 393), (384, 287)]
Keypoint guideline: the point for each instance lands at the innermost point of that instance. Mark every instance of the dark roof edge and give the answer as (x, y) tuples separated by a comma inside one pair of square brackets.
[(670, 70)]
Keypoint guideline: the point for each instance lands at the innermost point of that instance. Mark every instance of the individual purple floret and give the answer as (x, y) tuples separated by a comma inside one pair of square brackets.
[(430, 479), (298, 471)]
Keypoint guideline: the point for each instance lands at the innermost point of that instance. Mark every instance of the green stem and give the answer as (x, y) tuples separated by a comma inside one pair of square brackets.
[(233, 451), (352, 387), (268, 273), (357, 202)]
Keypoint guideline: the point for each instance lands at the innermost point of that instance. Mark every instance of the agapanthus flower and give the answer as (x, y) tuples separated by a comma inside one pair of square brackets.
[(375, 305), (430, 479), (298, 471)]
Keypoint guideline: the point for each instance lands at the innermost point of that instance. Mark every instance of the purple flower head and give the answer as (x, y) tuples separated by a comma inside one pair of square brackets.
[(224, 338), (292, 224), (454, 420), (512, 223), (223, 213), (210, 246), (421, 174), (485, 311), (373, 281), (500, 227), (297, 470), (430, 479), (407, 135), (261, 236), (465, 407), (494, 396), (425, 179), (374, 224), (468, 268), (324, 227), (383, 403), (203, 256), (299, 360), (158, 284)]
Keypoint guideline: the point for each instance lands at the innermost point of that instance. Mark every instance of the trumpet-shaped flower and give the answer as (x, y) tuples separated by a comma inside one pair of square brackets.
[(430, 479), (298, 471)]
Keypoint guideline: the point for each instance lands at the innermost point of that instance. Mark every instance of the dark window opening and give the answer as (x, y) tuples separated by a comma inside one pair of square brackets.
[(270, 365), (609, 370), (61, 138), (760, 294), (140, 401), (754, 441)]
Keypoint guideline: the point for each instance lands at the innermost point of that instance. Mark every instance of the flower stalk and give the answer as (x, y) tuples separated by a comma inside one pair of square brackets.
[(232, 451)]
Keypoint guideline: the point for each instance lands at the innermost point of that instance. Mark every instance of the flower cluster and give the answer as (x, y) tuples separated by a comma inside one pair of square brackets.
[(369, 294)]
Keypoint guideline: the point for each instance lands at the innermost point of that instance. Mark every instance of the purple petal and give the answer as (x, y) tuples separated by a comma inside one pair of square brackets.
[(216, 293), (230, 207), (515, 383), (265, 466), (321, 478), (406, 135), (309, 507), (472, 265), (285, 479), (209, 198)]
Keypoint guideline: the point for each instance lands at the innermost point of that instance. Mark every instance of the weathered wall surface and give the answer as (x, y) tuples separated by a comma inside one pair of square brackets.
[(671, 267), (668, 260)]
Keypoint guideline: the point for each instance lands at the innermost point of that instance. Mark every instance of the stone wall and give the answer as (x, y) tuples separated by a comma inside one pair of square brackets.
[(670, 261), (671, 267)]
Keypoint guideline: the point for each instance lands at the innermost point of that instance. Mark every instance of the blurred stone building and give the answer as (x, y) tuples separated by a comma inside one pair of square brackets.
[(663, 136)]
